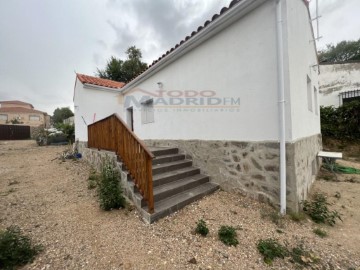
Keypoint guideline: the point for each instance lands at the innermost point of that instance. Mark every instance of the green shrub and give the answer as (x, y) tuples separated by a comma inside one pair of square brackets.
[(93, 180), (342, 122), (318, 210), (227, 235), (56, 138), (328, 116), (16, 249), (271, 249), (92, 184), (41, 136), (68, 130), (320, 232), (201, 228), (110, 191)]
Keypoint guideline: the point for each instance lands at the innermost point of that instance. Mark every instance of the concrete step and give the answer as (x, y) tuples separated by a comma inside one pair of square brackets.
[(167, 158), (173, 188), (170, 166), (162, 151), (167, 177), (172, 204)]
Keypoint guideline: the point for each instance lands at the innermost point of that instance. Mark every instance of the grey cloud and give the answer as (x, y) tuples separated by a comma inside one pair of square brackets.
[(97, 59), (161, 23), (329, 6), (101, 43), (39, 50), (124, 37)]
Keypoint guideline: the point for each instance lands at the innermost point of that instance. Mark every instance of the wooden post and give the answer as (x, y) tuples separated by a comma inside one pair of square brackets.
[(150, 185)]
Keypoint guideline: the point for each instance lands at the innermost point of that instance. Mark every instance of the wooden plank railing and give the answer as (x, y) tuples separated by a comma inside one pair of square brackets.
[(111, 133)]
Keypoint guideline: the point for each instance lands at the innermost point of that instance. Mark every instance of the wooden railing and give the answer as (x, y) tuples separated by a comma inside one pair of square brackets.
[(112, 134)]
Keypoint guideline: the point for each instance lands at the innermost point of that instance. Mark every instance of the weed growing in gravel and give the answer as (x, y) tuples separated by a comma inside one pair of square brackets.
[(302, 256), (227, 235), (271, 249), (16, 249), (318, 210), (201, 228), (297, 217), (320, 232), (110, 190), (274, 216)]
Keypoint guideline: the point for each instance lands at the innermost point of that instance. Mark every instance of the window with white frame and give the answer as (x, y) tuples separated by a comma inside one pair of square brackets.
[(309, 94), (34, 118), (3, 117), (316, 101), (147, 111)]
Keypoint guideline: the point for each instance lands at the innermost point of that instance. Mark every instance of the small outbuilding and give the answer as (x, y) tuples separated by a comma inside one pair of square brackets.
[(239, 94)]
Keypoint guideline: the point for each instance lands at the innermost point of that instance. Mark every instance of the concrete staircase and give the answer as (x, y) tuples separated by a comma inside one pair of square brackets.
[(176, 183)]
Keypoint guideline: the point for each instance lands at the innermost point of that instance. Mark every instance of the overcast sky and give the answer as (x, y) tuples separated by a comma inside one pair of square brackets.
[(43, 42)]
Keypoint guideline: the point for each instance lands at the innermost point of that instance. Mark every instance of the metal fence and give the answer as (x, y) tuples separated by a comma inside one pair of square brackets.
[(14, 132), (349, 96)]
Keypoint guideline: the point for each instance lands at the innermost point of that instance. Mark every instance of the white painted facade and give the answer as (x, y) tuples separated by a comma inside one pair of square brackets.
[(92, 103), (302, 64), (239, 61), (221, 87), (337, 78)]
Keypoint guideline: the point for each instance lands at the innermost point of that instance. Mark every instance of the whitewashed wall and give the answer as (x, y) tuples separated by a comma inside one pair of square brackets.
[(337, 78), (90, 103), (239, 62), (302, 61)]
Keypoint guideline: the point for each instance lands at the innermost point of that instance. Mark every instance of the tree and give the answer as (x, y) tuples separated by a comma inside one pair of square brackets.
[(343, 51), (123, 71), (61, 113), (113, 70), (133, 65)]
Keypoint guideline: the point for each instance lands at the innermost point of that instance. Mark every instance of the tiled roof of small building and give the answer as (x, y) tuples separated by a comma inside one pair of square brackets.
[(19, 110), (100, 82), (16, 102)]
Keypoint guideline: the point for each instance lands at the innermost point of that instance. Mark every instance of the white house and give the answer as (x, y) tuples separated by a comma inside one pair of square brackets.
[(339, 83), (240, 95), (94, 99)]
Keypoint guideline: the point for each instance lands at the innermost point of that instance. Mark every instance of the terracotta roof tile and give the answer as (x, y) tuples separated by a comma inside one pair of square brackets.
[(200, 28), (98, 81), (19, 110), (16, 102)]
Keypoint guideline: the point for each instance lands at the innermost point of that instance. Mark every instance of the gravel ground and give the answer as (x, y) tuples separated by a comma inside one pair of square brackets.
[(49, 200)]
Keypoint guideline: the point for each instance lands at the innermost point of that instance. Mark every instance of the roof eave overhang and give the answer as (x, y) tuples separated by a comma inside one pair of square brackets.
[(231, 16), (103, 88)]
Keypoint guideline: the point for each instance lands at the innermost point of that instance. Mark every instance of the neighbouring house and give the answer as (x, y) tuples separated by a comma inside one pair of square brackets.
[(339, 83), (69, 120), (239, 95), (22, 113), (94, 99)]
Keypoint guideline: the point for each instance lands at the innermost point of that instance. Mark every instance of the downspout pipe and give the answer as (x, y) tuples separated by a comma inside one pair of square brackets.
[(281, 103)]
